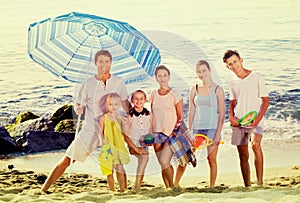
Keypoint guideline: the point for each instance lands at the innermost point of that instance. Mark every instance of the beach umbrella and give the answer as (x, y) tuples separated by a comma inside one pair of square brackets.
[(65, 45)]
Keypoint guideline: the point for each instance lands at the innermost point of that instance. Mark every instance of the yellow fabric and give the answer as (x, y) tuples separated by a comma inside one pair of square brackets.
[(114, 138), (106, 160)]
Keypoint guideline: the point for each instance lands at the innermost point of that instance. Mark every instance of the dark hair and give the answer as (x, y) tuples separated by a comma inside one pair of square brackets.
[(230, 53), (138, 91), (104, 53), (161, 67), (203, 62)]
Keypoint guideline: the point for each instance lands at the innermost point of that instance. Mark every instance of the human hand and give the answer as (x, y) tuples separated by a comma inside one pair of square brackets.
[(254, 123), (234, 122), (141, 151), (79, 109), (177, 125), (193, 141)]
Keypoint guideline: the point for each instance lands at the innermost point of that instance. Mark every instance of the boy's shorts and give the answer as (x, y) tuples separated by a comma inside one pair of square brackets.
[(242, 135)]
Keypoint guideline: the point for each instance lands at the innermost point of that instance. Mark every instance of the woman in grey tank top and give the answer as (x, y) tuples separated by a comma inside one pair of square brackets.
[(206, 114)]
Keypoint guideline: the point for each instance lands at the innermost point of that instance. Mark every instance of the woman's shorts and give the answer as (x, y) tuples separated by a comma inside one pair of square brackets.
[(210, 133)]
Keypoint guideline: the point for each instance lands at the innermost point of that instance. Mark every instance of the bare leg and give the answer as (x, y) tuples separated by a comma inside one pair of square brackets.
[(142, 163), (167, 168), (111, 182), (121, 177), (179, 173), (258, 158), (158, 151), (56, 173), (168, 174), (125, 178), (244, 163), (212, 160)]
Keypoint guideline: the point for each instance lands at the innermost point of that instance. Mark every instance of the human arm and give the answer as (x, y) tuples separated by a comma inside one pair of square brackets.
[(138, 150), (101, 130), (121, 89), (179, 112), (151, 127), (265, 100), (221, 110), (151, 113), (233, 120), (263, 109), (125, 131), (80, 98), (191, 112)]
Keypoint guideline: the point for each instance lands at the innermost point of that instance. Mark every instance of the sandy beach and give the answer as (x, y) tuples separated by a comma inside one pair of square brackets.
[(281, 185), (266, 33), (281, 179)]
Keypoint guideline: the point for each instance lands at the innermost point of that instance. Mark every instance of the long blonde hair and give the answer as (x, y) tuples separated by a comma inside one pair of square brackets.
[(110, 97)]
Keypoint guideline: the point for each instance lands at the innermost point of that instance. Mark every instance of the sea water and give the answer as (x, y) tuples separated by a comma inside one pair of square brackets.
[(265, 33)]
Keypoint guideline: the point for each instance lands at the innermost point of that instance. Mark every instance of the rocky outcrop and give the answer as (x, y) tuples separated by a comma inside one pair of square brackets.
[(38, 124), (30, 133), (40, 141), (67, 125), (7, 143), (63, 113), (25, 116)]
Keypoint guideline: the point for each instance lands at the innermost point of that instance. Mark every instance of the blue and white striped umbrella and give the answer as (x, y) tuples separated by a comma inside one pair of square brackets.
[(66, 45)]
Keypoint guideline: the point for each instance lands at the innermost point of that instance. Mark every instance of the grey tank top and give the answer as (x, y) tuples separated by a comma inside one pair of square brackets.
[(206, 110)]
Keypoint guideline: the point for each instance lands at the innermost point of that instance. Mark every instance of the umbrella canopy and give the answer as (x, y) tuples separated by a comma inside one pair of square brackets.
[(66, 45)]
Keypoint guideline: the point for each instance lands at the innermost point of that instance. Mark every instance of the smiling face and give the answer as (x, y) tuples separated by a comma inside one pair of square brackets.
[(235, 64), (163, 77), (138, 99), (103, 63), (203, 72), (113, 104)]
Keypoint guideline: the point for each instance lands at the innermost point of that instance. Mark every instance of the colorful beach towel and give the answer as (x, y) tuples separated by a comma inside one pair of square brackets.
[(181, 147)]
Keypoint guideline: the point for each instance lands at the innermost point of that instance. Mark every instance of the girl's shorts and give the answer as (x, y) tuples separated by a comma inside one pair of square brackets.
[(160, 138)]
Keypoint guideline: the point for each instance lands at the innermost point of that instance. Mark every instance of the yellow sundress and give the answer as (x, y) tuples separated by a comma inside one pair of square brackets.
[(114, 138)]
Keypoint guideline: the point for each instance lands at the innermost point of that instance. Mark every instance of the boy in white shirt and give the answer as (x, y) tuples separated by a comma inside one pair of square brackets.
[(247, 93)]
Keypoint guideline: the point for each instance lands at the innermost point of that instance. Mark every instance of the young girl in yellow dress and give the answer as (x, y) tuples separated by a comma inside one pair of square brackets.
[(114, 153)]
